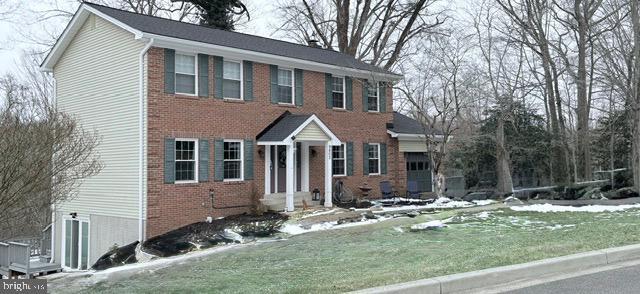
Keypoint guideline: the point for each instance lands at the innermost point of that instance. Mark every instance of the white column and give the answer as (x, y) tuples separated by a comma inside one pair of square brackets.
[(328, 183), (267, 169), (290, 175), (304, 167)]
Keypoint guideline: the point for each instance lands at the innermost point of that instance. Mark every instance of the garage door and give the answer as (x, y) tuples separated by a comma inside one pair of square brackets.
[(418, 170)]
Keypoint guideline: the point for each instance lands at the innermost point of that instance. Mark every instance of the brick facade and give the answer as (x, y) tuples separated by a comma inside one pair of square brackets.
[(177, 116)]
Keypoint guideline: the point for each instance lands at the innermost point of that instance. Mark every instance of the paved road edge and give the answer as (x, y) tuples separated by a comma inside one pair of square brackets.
[(510, 273)]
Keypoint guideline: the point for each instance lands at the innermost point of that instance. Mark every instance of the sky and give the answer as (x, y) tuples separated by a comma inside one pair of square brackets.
[(14, 33)]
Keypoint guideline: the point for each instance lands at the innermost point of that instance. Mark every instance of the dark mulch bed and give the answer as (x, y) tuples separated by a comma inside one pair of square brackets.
[(204, 234), (117, 257), (354, 204)]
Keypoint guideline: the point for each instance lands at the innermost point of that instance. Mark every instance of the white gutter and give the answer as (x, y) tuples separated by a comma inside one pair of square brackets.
[(141, 142)]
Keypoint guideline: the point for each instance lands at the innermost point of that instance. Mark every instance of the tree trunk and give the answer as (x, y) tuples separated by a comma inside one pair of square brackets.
[(583, 143), (635, 95), (503, 171)]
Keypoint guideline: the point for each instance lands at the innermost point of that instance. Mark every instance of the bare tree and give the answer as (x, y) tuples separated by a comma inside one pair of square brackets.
[(46, 154), (531, 18), (437, 89), (376, 31)]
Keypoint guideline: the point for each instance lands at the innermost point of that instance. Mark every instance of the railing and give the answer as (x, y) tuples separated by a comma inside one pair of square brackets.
[(38, 245)]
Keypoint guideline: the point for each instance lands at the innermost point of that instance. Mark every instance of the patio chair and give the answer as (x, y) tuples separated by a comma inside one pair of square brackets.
[(4, 260), (20, 262), (412, 190), (386, 190)]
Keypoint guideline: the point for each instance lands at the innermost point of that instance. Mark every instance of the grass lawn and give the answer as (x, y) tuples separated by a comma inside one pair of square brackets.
[(386, 253)]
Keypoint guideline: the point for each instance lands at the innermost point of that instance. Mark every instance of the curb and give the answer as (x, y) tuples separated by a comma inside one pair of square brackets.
[(511, 273)]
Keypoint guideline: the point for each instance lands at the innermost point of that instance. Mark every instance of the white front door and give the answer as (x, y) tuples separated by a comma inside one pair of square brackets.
[(75, 244)]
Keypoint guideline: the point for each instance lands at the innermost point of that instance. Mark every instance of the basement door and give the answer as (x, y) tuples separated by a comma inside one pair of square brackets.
[(75, 250), (418, 170)]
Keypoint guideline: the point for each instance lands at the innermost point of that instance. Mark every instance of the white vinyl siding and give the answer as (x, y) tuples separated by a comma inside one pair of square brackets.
[(97, 83), (312, 132)]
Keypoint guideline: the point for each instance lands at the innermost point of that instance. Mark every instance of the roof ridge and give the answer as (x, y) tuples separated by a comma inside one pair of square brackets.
[(234, 32)]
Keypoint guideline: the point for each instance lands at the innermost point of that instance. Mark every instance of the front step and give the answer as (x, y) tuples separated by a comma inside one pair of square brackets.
[(277, 202)]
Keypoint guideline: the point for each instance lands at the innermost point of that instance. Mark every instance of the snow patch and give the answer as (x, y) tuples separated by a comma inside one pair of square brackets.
[(431, 225), (483, 202), (561, 208)]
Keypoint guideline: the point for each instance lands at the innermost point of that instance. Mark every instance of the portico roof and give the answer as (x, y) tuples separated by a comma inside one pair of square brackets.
[(286, 127)]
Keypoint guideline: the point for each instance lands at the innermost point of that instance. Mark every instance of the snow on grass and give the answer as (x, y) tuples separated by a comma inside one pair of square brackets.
[(430, 225), (297, 229), (483, 202), (561, 208)]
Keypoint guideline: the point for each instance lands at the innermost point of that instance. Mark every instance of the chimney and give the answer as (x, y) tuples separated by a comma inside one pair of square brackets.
[(313, 43)]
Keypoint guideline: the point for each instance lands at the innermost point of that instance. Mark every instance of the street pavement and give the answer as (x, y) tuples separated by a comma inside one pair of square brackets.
[(624, 280)]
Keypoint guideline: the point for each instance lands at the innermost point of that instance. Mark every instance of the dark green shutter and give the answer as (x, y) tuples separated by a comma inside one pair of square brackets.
[(365, 100), (248, 159), (218, 71), (349, 154), (328, 89), (203, 75), (218, 167), (382, 89), (248, 80), (273, 69), (203, 160), (365, 158), (299, 81), (169, 71), (349, 95), (169, 160), (383, 158)]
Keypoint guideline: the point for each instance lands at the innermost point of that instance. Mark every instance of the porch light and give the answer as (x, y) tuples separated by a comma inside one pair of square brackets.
[(316, 195)]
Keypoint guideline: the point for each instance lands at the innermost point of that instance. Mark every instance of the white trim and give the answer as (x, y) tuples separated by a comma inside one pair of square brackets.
[(313, 118), (241, 160), (195, 74), (141, 127), (328, 179), (378, 158), (344, 92), (241, 78), (412, 137), (304, 166), (195, 157), (174, 43), (267, 170), (344, 159), (293, 85)]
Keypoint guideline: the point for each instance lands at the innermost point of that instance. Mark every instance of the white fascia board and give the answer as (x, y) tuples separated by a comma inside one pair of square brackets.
[(242, 54), (334, 141), (72, 28), (412, 137), (271, 143)]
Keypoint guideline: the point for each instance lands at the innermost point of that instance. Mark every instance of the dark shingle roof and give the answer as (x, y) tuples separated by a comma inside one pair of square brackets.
[(403, 124), (282, 127), (187, 31)]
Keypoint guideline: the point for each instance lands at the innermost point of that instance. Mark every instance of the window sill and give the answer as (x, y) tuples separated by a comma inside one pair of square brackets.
[(186, 96), (339, 176), (287, 105), (233, 100), (374, 175), (233, 182), (340, 109), (374, 112), (186, 183)]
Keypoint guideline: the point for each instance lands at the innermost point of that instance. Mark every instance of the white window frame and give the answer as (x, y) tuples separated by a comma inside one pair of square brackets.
[(241, 160), (378, 158), (377, 85), (195, 157), (175, 77), (344, 92), (241, 78), (344, 149), (293, 86)]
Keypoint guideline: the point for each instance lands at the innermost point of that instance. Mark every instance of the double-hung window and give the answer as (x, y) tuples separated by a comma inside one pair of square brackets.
[(285, 86), (373, 97), (233, 160), (339, 160), (374, 158), (186, 74), (337, 87), (186, 160), (232, 79)]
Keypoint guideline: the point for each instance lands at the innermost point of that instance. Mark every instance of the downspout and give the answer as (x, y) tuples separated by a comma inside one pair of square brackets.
[(54, 102), (141, 142)]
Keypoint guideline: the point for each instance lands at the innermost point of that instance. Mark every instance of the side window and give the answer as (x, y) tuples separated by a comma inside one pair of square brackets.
[(374, 158), (373, 97), (232, 79), (185, 74), (186, 160), (285, 86), (338, 90), (339, 160), (233, 164)]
